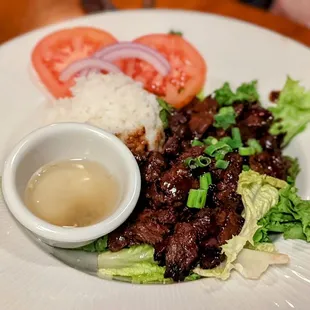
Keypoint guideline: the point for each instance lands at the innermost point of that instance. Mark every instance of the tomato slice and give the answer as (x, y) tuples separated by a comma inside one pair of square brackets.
[(59, 49), (188, 69)]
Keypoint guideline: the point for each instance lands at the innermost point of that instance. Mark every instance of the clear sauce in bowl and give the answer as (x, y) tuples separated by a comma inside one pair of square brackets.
[(72, 193)]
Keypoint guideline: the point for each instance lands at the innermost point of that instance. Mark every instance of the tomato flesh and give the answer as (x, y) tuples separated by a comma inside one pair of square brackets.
[(59, 49), (187, 75)]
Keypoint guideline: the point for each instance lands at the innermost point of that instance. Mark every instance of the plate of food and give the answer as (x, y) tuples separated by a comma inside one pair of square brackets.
[(154, 159)]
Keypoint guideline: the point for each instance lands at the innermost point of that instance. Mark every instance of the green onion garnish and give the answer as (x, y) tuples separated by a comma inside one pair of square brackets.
[(203, 161), (220, 155), (245, 168), (197, 198), (210, 141), (233, 144), (225, 117), (246, 151), (196, 142), (221, 164), (255, 145), (235, 132), (205, 181), (190, 162), (213, 149)]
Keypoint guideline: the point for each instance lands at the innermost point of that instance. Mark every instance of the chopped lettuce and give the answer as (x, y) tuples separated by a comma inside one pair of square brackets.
[(251, 264), (246, 92), (293, 171), (126, 257), (135, 264), (225, 118), (99, 245), (292, 111), (259, 194), (291, 216), (138, 273)]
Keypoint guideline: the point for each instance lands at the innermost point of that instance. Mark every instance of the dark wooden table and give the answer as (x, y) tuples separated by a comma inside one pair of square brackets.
[(19, 16)]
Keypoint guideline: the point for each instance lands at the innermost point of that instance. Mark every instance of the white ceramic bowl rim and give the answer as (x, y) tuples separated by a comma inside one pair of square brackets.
[(64, 234)]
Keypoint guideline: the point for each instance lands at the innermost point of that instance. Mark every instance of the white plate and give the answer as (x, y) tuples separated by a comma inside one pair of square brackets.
[(235, 51)]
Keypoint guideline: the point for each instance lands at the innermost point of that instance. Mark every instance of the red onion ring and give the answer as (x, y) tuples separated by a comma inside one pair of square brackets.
[(84, 65), (135, 50)]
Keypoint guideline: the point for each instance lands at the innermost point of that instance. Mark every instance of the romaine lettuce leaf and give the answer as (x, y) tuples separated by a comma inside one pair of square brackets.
[(292, 111), (251, 264), (135, 264), (291, 216), (99, 245), (259, 194), (138, 273), (126, 257)]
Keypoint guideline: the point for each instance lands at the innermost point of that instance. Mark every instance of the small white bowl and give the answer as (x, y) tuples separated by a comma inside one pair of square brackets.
[(67, 141)]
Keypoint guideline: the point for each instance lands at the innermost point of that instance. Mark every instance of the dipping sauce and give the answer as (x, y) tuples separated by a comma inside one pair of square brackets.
[(72, 193)]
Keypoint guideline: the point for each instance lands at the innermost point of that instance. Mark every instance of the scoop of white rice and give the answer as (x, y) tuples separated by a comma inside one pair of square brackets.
[(115, 103)]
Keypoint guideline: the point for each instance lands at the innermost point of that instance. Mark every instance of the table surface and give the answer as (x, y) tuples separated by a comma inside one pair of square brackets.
[(17, 17)]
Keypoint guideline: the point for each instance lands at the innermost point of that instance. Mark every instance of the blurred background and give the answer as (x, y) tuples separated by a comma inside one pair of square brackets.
[(20, 16)]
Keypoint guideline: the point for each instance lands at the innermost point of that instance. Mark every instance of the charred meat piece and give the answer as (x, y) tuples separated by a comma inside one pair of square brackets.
[(199, 123), (270, 163), (117, 239), (193, 152), (208, 105), (204, 223), (160, 251), (201, 115), (181, 252), (148, 231), (211, 254), (175, 184), (176, 120), (154, 166), (162, 216), (269, 142), (254, 122), (225, 193), (230, 224), (274, 96), (172, 146)]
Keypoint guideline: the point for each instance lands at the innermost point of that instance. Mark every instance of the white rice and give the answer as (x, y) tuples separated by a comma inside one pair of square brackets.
[(113, 102)]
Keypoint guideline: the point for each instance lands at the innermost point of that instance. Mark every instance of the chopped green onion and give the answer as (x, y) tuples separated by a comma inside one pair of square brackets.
[(255, 145), (201, 96), (220, 155), (245, 168), (164, 105), (246, 151), (205, 181), (210, 140), (190, 162), (213, 149), (230, 142), (225, 117), (197, 198), (221, 164), (203, 161), (235, 132), (196, 142)]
